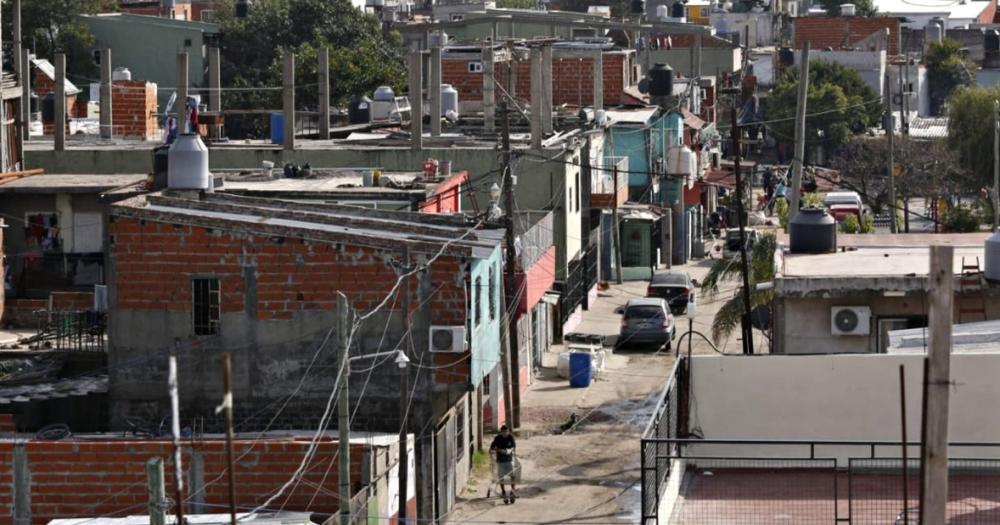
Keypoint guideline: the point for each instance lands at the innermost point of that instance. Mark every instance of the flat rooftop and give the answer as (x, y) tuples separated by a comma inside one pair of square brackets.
[(329, 181), (83, 183), (873, 262)]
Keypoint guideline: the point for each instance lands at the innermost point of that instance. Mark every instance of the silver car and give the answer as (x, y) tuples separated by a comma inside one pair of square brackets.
[(646, 322)]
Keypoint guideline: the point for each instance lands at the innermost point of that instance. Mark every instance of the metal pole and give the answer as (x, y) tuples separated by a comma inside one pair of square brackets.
[(227, 404), (107, 115), (434, 87), (182, 93), (747, 329), (902, 417), (615, 232), (404, 398), (288, 101), (214, 79), (343, 409), (416, 101), (157, 492), (512, 384), (889, 133), (26, 95), (324, 93), (175, 427), (941, 283), (800, 134), (60, 94), (489, 89)]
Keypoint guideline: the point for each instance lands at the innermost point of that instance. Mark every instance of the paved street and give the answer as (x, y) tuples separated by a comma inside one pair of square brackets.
[(591, 473)]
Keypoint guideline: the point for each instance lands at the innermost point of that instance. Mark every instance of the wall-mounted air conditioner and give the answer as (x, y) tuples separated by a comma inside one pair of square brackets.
[(447, 339), (850, 320)]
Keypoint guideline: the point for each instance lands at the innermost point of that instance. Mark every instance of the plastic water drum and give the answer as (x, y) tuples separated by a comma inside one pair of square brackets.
[(580, 370), (277, 128)]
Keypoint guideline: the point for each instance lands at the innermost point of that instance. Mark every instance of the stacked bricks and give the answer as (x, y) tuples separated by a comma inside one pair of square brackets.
[(42, 86), (133, 109), (70, 479), (71, 301)]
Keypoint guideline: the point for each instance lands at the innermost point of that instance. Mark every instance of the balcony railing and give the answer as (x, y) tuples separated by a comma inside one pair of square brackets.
[(604, 193)]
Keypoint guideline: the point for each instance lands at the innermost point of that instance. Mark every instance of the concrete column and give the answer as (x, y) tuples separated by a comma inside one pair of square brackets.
[(16, 22), (416, 100), (537, 93), (26, 94), (60, 96), (288, 101), (214, 79), (107, 122), (512, 75), (22, 486), (489, 90), (435, 91), (598, 71), (547, 86), (180, 105), (324, 93)]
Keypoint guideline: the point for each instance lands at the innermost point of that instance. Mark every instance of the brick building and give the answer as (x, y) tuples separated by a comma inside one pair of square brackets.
[(133, 109), (204, 274), (847, 33), (572, 73), (43, 84)]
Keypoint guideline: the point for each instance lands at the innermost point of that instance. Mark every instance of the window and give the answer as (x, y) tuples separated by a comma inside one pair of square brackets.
[(42, 232), (493, 294), (187, 42), (475, 67), (206, 306), (704, 12), (477, 304), (457, 17)]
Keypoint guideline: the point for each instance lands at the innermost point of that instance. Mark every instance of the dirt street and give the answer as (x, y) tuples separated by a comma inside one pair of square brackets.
[(589, 474)]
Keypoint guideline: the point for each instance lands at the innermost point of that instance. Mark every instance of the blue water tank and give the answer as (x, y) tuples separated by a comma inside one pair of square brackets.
[(580, 369), (277, 128)]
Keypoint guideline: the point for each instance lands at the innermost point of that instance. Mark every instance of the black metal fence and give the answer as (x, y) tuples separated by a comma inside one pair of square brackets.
[(709, 482), (70, 331)]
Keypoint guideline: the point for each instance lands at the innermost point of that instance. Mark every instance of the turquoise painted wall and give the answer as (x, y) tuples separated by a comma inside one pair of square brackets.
[(671, 130), (631, 141), (484, 336)]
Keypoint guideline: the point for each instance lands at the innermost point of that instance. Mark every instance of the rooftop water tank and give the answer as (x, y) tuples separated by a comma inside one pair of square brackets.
[(786, 56), (638, 7), (681, 161), (662, 11), (121, 73), (812, 230), (188, 164), (993, 257), (677, 10), (375, 3), (847, 10), (438, 39), (991, 40), (934, 31), (384, 94), (359, 110), (449, 99), (242, 6), (661, 81)]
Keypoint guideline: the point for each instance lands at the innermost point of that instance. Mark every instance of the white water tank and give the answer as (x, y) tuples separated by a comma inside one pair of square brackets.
[(121, 73), (847, 10), (662, 12), (681, 161), (438, 39), (449, 99), (187, 167), (992, 265), (384, 94)]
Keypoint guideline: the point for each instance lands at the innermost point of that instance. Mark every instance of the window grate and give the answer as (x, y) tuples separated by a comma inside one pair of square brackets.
[(206, 299)]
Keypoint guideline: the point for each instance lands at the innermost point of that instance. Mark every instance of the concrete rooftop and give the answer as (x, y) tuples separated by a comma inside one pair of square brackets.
[(873, 262), (69, 183)]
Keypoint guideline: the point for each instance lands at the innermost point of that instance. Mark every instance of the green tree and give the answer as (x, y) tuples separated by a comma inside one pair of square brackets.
[(946, 70), (861, 7), (54, 26), (252, 48), (729, 315), (970, 130), (839, 103), (517, 4)]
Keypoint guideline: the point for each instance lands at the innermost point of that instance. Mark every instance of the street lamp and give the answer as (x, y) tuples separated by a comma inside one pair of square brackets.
[(495, 211)]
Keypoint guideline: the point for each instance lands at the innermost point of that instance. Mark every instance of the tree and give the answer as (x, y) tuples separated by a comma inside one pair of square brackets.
[(730, 314), (861, 7), (839, 104), (946, 70), (252, 50), (54, 26), (970, 130)]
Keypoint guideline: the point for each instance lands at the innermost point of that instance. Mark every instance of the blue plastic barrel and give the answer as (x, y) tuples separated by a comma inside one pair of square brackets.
[(277, 128), (580, 369)]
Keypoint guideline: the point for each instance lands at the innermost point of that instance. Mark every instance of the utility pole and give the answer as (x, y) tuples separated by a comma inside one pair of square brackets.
[(227, 405), (889, 132), (906, 459), (800, 133), (107, 118), (175, 427), (512, 384), (404, 396), (615, 233), (747, 328), (996, 165), (941, 286), (60, 94), (157, 492), (324, 93), (343, 409)]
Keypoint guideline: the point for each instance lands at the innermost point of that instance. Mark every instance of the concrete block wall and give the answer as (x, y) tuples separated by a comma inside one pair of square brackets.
[(75, 478), (134, 107)]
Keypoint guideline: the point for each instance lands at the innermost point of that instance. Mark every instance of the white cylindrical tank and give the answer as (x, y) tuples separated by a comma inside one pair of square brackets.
[(662, 12), (438, 39), (187, 167), (681, 161), (449, 99), (121, 73), (992, 265), (847, 9), (384, 94)]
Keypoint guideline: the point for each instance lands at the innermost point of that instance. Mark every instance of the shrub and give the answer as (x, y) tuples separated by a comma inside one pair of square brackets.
[(960, 219), (868, 224), (781, 209), (850, 224)]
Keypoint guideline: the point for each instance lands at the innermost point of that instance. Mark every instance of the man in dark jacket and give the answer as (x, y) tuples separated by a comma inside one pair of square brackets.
[(502, 449)]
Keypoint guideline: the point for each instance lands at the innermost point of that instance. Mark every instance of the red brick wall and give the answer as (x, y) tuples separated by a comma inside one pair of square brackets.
[(829, 31), (133, 109), (18, 313), (94, 478), (7, 424), (62, 301), (43, 85)]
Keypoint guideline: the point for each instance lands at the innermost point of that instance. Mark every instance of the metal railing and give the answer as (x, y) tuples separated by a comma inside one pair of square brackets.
[(657, 447), (70, 331)]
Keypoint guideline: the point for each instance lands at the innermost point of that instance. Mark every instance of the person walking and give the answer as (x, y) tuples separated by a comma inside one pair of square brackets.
[(502, 450)]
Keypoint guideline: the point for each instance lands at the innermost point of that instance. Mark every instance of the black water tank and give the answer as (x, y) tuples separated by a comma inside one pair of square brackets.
[(813, 231), (786, 56), (991, 40), (677, 10), (638, 7), (661, 81), (359, 110), (160, 163), (242, 6)]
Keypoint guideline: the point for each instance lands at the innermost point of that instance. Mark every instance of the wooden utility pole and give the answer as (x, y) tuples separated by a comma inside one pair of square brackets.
[(798, 162), (156, 490), (941, 286), (288, 100), (343, 408), (60, 103), (106, 116), (175, 427), (324, 93), (889, 133), (904, 132), (511, 379), (227, 405), (996, 165), (615, 230), (404, 396), (747, 328)]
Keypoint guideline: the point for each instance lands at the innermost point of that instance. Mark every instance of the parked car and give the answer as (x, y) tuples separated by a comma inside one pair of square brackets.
[(646, 322), (674, 286), (843, 198), (732, 245), (841, 211)]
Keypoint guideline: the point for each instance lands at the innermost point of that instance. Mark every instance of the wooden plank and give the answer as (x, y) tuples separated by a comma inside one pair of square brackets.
[(935, 454)]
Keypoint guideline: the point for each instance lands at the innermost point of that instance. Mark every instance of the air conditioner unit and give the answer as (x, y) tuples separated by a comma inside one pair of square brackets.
[(447, 339), (850, 320)]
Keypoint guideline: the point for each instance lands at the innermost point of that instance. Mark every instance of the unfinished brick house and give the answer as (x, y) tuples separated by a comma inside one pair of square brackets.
[(43, 84), (133, 109), (572, 73), (203, 274)]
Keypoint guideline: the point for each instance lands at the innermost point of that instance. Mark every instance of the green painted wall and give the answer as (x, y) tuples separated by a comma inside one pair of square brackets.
[(714, 60)]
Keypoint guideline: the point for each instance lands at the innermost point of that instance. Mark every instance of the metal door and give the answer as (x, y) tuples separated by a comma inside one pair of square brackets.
[(444, 471)]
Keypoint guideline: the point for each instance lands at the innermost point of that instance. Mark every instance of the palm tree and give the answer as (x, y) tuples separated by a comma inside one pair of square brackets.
[(761, 271)]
